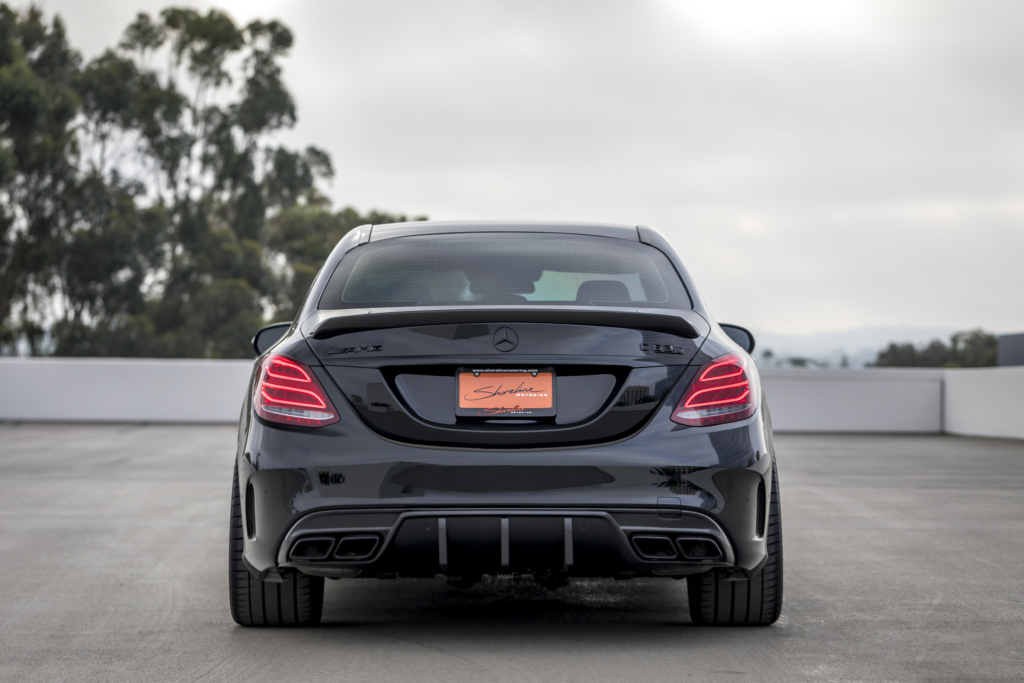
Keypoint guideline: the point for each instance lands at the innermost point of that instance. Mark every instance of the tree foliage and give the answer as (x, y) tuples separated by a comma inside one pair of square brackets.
[(966, 349), (146, 208)]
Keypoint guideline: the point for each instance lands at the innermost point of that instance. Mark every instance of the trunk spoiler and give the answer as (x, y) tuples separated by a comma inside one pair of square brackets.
[(363, 320)]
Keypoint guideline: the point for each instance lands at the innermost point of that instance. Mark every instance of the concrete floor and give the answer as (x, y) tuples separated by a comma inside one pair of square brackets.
[(904, 562)]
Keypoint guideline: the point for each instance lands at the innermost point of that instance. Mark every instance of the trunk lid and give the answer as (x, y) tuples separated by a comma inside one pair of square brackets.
[(400, 375)]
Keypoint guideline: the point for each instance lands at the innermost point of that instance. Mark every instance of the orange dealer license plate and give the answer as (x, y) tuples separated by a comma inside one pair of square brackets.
[(527, 392)]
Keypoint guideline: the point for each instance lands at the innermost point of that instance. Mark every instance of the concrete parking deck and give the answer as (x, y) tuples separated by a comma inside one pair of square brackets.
[(904, 562)]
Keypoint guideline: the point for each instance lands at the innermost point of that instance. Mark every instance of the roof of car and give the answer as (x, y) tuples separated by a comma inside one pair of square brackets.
[(392, 230)]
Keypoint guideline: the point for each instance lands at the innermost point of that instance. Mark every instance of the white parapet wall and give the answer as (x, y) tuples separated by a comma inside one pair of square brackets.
[(985, 402), (871, 400), (122, 389), (981, 402)]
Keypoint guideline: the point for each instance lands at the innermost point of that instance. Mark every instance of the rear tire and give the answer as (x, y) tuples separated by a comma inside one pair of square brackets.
[(757, 602), (296, 602)]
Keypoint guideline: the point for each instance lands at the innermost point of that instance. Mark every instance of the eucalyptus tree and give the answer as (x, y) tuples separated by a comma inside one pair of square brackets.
[(145, 207), (185, 108), (38, 147)]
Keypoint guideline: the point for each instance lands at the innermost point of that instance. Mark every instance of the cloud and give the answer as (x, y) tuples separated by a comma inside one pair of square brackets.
[(818, 166)]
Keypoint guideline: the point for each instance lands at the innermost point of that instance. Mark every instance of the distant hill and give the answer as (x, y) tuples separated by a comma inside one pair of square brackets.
[(859, 345)]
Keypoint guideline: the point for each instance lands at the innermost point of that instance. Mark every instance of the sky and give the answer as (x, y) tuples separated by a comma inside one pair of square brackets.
[(819, 166)]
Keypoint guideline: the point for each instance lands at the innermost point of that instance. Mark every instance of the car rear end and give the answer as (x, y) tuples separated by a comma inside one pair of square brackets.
[(469, 400)]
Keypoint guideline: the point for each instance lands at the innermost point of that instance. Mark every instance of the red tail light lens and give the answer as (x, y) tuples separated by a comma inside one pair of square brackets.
[(721, 393), (288, 392)]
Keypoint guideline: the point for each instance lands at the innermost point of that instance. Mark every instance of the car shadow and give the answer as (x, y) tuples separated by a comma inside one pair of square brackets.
[(432, 603)]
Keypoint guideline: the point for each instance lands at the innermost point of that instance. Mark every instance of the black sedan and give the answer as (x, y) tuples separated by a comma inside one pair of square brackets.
[(538, 400)]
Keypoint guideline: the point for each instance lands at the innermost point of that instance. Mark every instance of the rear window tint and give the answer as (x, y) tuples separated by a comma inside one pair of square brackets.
[(504, 269)]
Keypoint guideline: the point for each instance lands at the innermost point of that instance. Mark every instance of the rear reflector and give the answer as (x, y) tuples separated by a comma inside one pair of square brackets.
[(288, 392), (720, 393)]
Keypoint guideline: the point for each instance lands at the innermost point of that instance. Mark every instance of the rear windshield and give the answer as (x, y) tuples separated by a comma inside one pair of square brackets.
[(504, 269)]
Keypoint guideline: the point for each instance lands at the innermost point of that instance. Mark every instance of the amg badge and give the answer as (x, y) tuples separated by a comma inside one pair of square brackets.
[(662, 348), (338, 350)]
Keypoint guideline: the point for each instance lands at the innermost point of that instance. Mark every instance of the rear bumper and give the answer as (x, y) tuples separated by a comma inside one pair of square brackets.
[(576, 542), (706, 483)]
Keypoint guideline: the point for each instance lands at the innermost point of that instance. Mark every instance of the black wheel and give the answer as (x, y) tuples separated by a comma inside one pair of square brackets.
[(296, 602), (757, 602)]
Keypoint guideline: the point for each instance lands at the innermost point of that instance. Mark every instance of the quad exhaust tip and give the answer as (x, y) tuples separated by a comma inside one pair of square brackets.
[(656, 547), (351, 547), (699, 548), (312, 548), (356, 547)]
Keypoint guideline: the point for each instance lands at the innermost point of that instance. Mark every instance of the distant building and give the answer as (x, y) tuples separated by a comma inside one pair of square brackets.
[(1010, 350)]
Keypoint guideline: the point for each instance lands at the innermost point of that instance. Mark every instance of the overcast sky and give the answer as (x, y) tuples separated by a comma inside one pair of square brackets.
[(818, 165)]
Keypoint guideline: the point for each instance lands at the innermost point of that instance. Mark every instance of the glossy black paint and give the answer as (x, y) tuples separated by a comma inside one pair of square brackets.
[(396, 230), (268, 336), (360, 320), (398, 464), (740, 335)]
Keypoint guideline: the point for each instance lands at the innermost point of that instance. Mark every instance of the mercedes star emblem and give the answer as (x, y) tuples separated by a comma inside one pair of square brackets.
[(505, 339)]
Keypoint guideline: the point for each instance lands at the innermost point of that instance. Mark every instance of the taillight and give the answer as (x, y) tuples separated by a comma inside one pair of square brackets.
[(289, 392), (721, 392)]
